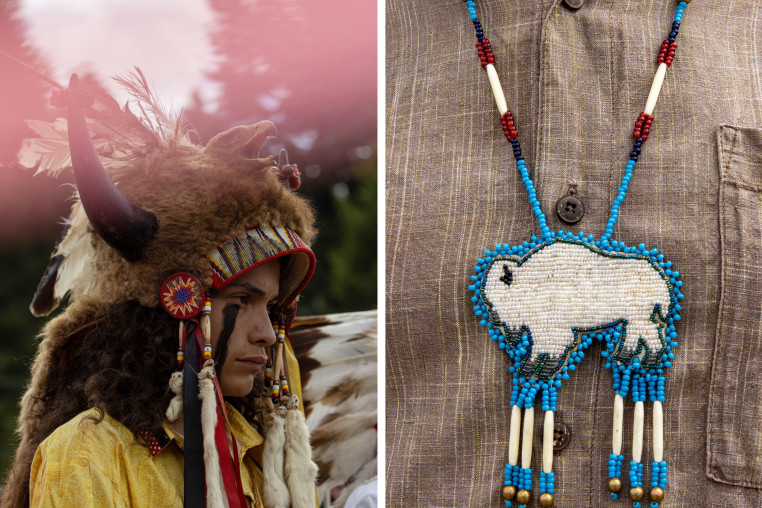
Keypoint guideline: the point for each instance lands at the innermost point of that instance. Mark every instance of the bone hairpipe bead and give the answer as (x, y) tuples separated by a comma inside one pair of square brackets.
[(513, 439), (497, 89), (527, 436), (637, 432), (658, 423), (618, 425), (653, 95), (547, 443)]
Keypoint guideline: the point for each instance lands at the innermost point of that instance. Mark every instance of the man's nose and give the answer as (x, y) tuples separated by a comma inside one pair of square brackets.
[(262, 331)]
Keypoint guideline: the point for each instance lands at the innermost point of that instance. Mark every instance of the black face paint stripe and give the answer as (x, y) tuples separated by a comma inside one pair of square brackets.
[(229, 316)]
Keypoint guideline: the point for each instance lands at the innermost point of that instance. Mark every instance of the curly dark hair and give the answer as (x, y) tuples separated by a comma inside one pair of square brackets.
[(124, 361), (119, 362)]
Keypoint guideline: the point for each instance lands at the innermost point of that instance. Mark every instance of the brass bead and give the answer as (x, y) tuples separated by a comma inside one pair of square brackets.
[(636, 493), (509, 492), (546, 500), (657, 494), (615, 485), (523, 496)]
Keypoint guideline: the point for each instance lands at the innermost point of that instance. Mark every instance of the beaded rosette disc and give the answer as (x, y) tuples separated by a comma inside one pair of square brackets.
[(182, 295)]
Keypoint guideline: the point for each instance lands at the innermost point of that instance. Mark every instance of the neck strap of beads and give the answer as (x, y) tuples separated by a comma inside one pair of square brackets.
[(640, 133)]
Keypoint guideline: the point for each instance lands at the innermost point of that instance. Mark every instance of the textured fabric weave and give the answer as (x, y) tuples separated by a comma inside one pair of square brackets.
[(575, 82), (86, 464)]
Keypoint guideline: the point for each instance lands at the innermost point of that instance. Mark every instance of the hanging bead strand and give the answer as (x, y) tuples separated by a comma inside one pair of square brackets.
[(616, 458), (645, 119), (487, 59)]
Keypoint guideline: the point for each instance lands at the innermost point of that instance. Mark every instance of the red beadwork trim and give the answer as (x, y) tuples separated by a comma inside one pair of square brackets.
[(667, 52), (509, 128), (484, 48), (643, 126), (153, 444), (488, 50), (671, 54), (663, 51), (482, 56)]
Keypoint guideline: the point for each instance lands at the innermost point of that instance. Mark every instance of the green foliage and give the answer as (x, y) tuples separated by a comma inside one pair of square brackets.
[(345, 277), (20, 270)]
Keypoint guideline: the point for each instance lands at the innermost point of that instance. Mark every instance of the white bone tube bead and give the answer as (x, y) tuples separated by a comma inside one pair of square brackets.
[(653, 95), (513, 439), (637, 432), (497, 89), (547, 443), (616, 445), (527, 437), (658, 432)]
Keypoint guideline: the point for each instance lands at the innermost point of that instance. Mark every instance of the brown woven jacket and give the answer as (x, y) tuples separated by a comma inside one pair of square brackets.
[(575, 81)]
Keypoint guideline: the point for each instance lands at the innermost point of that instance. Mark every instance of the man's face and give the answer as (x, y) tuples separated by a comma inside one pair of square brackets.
[(241, 327)]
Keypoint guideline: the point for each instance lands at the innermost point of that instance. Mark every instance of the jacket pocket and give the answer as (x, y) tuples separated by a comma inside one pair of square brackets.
[(734, 419)]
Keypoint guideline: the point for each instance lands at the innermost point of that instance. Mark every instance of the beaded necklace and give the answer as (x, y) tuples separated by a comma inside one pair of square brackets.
[(528, 298)]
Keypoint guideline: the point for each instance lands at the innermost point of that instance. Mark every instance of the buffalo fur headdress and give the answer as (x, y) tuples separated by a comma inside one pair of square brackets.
[(151, 203)]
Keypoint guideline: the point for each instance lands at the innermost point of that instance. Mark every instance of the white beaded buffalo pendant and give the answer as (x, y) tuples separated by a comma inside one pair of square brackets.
[(545, 302)]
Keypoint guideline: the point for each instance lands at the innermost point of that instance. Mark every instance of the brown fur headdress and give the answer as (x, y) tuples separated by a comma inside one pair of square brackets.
[(200, 197), (194, 198)]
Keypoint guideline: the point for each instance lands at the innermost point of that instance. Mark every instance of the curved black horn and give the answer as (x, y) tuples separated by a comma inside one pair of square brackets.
[(124, 226)]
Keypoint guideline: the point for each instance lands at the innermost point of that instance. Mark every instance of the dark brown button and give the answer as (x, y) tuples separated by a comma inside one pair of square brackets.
[(561, 436), (574, 4), (569, 208)]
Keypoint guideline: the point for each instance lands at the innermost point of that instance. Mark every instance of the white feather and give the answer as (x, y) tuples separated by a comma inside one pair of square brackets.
[(77, 249), (340, 397)]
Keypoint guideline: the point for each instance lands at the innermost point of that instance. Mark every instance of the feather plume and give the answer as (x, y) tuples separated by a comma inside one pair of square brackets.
[(338, 362), (119, 135), (152, 114)]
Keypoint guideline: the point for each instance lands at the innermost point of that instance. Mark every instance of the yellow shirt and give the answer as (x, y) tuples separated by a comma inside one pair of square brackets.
[(87, 464)]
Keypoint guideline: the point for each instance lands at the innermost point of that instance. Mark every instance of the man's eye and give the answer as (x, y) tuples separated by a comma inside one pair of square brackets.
[(242, 299)]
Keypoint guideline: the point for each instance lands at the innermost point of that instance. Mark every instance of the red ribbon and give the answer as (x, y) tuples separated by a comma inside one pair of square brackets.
[(229, 465)]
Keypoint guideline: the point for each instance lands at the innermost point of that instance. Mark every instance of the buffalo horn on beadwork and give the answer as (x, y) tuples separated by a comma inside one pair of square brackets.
[(124, 226)]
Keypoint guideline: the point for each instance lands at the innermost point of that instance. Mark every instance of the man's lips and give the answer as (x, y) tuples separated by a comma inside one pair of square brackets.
[(255, 362)]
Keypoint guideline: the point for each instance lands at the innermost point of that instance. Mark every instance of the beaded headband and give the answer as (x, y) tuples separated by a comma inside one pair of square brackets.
[(260, 245), (528, 298)]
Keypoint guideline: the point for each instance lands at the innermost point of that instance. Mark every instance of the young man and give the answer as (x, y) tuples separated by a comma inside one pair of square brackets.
[(182, 280)]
